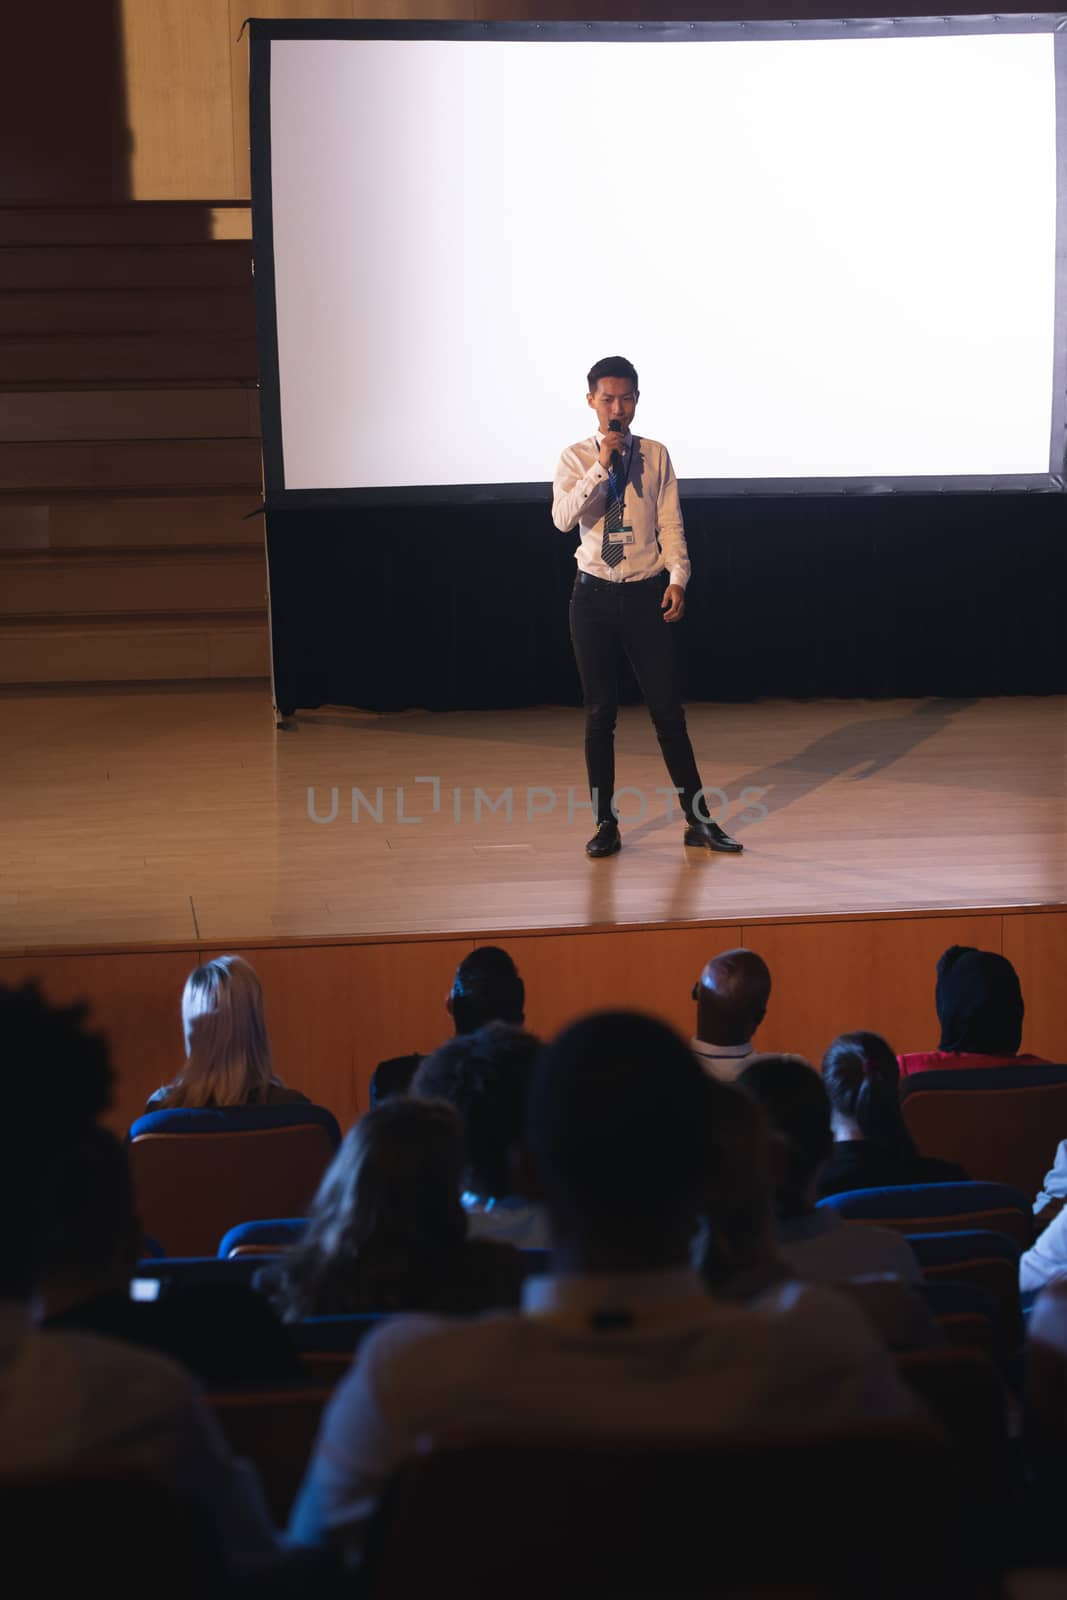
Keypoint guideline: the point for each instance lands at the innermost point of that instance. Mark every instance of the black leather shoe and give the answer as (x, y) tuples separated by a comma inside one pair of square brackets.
[(605, 841), (711, 837)]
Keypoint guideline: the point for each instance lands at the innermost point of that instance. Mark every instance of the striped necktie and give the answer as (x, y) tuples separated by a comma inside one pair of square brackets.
[(611, 550)]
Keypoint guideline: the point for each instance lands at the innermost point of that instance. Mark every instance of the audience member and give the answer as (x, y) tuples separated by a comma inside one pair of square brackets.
[(731, 996), (228, 1057), (486, 988), (485, 1075), (980, 1008), (387, 1231), (621, 1337), (70, 1402), (818, 1244), (222, 1333), (738, 1252), (872, 1146)]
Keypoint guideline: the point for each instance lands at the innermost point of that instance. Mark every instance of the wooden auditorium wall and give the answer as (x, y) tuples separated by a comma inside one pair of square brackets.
[(109, 100), (335, 1010)]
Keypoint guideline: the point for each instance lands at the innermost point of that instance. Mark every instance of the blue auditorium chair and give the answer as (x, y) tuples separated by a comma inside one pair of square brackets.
[(940, 1208), (197, 1173), (269, 1236), (977, 1256)]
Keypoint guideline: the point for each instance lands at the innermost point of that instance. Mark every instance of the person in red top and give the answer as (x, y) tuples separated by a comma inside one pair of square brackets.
[(980, 1008)]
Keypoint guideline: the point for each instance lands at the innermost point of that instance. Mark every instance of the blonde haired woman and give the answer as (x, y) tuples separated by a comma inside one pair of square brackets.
[(228, 1060)]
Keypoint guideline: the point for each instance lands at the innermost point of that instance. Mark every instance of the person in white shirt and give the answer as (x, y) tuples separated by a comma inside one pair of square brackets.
[(621, 1338), (731, 996), (622, 493)]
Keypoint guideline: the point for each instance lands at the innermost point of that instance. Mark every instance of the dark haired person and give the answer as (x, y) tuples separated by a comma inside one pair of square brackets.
[(819, 1245), (72, 1403), (731, 995), (872, 1146), (622, 493), (387, 1231), (485, 1076), (980, 1008), (621, 1338), (486, 988)]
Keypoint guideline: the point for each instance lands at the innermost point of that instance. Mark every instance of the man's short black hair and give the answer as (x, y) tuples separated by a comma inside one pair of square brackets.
[(616, 1131), (484, 1075), (486, 988), (612, 367)]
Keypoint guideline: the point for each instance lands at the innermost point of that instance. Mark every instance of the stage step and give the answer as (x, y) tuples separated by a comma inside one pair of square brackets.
[(129, 445), (82, 583), (134, 650), (105, 521)]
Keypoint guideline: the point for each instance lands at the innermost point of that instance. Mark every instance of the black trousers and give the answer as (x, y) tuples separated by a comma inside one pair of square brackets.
[(603, 617)]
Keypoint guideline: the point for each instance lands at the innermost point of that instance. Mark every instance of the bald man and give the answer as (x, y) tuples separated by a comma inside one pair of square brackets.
[(731, 995)]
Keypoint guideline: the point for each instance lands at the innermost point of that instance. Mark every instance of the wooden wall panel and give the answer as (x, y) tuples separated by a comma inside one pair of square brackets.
[(644, 970), (226, 264), (139, 585), (177, 55), (96, 312), (1036, 945), (833, 977), (137, 651), (135, 1000)]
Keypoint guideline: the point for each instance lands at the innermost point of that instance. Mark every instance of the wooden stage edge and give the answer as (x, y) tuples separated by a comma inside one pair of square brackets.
[(338, 1005)]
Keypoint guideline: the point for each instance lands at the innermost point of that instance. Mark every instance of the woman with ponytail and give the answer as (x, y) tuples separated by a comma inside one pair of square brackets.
[(872, 1146)]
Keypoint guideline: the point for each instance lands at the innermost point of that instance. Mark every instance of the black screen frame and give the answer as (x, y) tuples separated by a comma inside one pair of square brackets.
[(264, 31)]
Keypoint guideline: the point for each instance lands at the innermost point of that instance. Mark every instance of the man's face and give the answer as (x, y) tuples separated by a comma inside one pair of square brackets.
[(615, 400)]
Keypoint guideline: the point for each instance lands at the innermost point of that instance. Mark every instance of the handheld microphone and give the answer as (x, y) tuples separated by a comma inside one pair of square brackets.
[(615, 426)]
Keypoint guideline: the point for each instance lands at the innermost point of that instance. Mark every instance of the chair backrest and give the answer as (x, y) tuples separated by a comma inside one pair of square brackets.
[(119, 1528), (976, 1256), (180, 1272), (275, 1430), (198, 1173), (269, 1236), (939, 1208), (667, 1518), (1002, 1124), (966, 1395), (966, 1313)]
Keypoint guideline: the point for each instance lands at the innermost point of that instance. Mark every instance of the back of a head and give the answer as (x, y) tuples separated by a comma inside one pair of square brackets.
[(979, 1002), (732, 994), (797, 1108), (616, 1132), (486, 988), (92, 1229), (739, 1205), (389, 1203), (228, 1051), (57, 1080), (485, 1076), (862, 1078)]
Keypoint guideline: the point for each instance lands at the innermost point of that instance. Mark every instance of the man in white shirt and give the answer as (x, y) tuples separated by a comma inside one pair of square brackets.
[(621, 1339), (731, 995), (622, 492)]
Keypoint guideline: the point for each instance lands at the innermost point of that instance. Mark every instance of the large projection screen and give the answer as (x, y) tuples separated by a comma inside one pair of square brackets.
[(834, 252)]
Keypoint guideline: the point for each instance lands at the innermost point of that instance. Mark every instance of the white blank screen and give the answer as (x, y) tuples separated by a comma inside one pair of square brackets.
[(826, 258)]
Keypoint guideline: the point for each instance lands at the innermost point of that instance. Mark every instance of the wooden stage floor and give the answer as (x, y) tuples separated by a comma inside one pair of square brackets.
[(154, 817)]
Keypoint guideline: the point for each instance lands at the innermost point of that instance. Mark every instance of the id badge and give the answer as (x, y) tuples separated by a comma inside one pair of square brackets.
[(623, 535)]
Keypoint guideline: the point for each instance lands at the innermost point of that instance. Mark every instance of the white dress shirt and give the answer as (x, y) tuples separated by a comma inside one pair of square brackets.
[(643, 1353), (581, 492), (723, 1061)]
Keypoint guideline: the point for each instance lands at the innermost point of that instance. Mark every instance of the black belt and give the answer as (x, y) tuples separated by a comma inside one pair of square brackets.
[(608, 583)]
